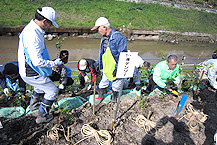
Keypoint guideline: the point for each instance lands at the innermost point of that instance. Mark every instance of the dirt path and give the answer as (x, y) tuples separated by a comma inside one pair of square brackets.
[(24, 130)]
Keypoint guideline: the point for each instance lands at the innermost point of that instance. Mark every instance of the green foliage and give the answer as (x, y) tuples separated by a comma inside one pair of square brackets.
[(65, 112), (191, 78), (59, 45), (73, 13), (162, 96), (143, 103), (163, 55), (146, 72), (18, 100)]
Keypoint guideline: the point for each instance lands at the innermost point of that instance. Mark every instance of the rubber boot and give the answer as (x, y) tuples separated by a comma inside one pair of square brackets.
[(101, 96), (34, 102), (114, 96), (43, 112)]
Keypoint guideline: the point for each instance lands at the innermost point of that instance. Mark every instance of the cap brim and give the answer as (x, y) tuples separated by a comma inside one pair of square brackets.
[(94, 28), (55, 24)]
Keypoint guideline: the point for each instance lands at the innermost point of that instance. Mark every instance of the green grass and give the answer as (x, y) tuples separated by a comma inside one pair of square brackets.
[(79, 13)]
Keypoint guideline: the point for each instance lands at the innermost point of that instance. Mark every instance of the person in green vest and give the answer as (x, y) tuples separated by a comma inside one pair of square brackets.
[(165, 75), (112, 44)]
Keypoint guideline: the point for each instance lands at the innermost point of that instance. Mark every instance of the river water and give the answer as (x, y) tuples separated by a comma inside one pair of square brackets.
[(79, 47)]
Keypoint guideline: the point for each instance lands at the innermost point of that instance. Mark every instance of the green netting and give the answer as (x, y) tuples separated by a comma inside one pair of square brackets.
[(132, 93), (70, 103), (30, 112), (12, 112)]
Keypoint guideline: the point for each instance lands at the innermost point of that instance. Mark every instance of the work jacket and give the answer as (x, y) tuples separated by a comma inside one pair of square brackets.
[(33, 56), (11, 81), (162, 72), (117, 44), (91, 67)]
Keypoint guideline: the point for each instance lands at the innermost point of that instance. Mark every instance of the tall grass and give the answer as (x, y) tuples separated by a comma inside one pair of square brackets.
[(81, 13)]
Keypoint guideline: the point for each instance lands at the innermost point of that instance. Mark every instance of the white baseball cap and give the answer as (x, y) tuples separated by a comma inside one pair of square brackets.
[(49, 13), (101, 21), (82, 64)]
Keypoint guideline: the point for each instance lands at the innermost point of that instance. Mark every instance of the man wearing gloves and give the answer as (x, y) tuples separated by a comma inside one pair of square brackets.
[(62, 74), (34, 63), (164, 70), (9, 74), (112, 44), (87, 66)]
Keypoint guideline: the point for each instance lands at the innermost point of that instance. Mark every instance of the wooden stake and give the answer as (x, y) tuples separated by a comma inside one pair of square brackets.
[(94, 92), (177, 114), (149, 115)]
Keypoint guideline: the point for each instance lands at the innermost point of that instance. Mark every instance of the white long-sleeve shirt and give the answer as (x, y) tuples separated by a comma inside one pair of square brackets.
[(32, 38)]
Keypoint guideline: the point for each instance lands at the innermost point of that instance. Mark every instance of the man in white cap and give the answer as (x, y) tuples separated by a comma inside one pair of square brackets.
[(35, 65), (112, 44)]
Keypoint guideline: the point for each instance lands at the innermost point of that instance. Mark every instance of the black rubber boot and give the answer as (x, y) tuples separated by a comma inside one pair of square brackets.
[(34, 102), (101, 96), (43, 112), (114, 96)]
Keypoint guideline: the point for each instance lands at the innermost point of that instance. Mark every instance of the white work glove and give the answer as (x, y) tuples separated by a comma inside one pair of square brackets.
[(89, 87), (86, 79), (61, 86), (6, 91), (58, 62)]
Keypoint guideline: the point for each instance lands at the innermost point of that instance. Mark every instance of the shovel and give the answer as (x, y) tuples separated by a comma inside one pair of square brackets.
[(116, 111)]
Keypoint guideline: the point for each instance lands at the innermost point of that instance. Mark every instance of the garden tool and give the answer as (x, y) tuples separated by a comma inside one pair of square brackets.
[(116, 111), (174, 92), (173, 89), (181, 105)]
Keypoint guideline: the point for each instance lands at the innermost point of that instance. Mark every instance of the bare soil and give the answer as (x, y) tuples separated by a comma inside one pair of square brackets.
[(25, 131)]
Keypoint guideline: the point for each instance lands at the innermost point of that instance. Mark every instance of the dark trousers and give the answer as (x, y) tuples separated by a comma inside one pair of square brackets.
[(151, 84), (82, 81), (56, 77), (22, 85)]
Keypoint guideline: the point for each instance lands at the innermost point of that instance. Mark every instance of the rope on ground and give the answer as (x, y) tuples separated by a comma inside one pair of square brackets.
[(195, 118), (103, 137), (54, 134), (147, 124)]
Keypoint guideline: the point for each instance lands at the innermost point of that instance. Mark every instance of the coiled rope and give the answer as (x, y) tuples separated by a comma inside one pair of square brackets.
[(103, 137), (147, 124), (54, 132), (195, 118)]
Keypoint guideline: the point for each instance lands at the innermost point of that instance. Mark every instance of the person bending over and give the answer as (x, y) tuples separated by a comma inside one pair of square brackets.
[(165, 75)]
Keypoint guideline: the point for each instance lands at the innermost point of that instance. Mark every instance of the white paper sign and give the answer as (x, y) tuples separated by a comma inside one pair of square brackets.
[(126, 64)]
